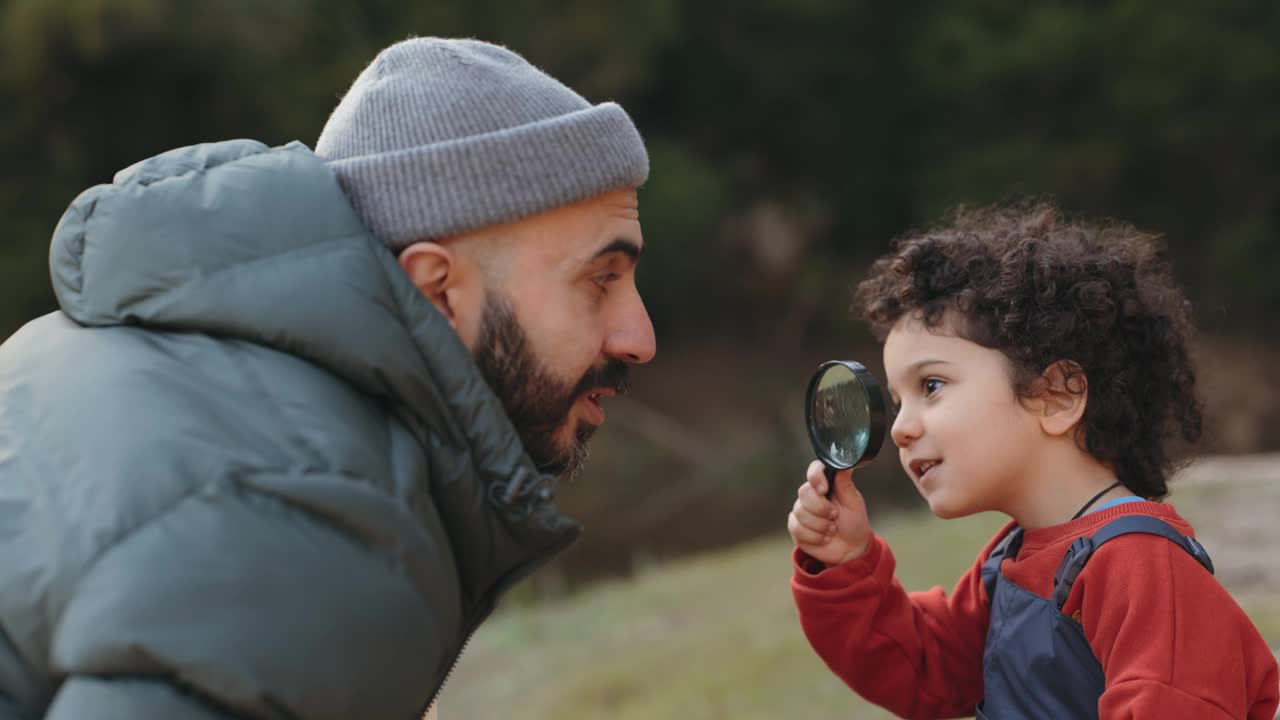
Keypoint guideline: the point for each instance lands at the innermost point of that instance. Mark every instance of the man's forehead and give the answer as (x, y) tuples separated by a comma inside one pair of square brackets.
[(626, 203), (607, 225), (618, 229)]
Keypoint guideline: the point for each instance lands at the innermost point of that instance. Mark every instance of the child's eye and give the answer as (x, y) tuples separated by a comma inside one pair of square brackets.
[(932, 385)]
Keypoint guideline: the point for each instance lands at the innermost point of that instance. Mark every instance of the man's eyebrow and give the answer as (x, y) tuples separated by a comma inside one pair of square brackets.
[(621, 245)]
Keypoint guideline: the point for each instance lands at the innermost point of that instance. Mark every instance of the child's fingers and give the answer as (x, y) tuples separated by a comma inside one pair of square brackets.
[(816, 478), (819, 523), (804, 535), (814, 501), (843, 483)]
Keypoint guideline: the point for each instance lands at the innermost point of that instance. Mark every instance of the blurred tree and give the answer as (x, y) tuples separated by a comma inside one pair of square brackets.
[(790, 139), (1163, 114)]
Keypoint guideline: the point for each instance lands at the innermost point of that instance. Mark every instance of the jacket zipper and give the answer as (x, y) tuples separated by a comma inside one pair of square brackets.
[(505, 495), (449, 673), (489, 604)]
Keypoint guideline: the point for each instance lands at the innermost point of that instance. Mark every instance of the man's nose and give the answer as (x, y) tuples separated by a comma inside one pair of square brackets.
[(631, 339)]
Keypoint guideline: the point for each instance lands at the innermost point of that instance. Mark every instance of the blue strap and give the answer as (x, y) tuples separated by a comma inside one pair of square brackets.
[(1008, 546), (1084, 547)]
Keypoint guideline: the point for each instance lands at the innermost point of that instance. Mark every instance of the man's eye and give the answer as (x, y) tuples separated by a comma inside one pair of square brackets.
[(604, 280), (932, 385)]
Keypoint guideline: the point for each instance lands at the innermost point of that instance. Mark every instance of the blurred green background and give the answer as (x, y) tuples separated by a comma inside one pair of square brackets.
[(790, 141)]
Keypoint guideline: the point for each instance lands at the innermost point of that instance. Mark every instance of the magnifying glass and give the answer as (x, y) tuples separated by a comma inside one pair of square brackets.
[(844, 412)]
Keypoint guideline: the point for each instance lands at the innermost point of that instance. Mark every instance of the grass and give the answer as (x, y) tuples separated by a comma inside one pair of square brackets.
[(708, 637)]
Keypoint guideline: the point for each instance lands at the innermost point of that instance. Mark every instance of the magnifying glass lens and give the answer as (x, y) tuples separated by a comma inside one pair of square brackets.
[(842, 418), (844, 409)]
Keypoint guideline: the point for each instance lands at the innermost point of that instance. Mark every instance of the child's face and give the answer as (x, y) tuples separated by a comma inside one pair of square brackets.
[(962, 435)]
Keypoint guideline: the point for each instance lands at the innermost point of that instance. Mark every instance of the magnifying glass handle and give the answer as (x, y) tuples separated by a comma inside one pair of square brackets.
[(830, 472)]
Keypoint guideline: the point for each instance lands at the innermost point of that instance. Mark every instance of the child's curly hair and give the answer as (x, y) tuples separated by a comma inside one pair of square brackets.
[(1041, 289)]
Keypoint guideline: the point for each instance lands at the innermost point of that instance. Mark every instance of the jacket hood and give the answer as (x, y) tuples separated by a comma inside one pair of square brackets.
[(238, 240)]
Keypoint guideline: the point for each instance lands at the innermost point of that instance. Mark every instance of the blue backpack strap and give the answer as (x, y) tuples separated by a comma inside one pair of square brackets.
[(1007, 547), (1084, 547)]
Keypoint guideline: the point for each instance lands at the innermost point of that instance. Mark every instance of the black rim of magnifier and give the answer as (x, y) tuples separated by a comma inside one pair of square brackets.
[(875, 404)]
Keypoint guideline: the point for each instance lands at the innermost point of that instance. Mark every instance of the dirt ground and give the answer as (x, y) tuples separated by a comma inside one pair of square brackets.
[(1234, 502)]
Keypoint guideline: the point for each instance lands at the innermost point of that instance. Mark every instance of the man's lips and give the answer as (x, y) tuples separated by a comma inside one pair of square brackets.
[(594, 410)]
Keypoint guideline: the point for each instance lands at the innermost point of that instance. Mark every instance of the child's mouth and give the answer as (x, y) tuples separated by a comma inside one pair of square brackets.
[(920, 468)]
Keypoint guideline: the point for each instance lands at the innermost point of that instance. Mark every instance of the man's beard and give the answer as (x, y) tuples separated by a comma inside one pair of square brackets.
[(536, 401)]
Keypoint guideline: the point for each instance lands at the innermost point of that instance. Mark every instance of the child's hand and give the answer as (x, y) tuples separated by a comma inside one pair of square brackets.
[(833, 531)]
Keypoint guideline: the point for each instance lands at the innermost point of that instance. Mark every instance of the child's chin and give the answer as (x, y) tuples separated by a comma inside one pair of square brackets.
[(941, 508)]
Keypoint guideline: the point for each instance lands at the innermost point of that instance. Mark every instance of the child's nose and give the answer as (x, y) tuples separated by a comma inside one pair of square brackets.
[(906, 428)]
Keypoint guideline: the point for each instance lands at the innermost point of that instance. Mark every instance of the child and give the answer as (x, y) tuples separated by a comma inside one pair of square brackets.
[(1040, 369)]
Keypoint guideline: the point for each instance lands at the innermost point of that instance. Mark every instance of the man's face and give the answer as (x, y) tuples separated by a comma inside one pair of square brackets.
[(551, 313), (540, 404)]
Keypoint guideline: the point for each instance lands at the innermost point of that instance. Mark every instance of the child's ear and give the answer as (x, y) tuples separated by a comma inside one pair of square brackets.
[(1063, 396)]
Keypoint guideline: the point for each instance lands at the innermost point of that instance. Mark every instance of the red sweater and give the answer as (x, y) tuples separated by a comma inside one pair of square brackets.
[(1172, 642)]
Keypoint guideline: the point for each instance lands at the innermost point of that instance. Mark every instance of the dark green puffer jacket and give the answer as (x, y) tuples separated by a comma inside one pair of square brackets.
[(248, 471)]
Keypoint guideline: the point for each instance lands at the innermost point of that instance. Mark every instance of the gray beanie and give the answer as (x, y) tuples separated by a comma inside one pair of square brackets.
[(440, 136)]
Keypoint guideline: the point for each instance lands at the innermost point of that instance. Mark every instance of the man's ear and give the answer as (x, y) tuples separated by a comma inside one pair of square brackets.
[(1062, 397), (434, 270)]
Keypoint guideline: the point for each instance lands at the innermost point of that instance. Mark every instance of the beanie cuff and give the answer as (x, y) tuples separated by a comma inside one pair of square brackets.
[(435, 191)]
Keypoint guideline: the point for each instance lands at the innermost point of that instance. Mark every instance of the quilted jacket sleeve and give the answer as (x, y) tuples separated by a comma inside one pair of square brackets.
[(234, 603), (127, 699)]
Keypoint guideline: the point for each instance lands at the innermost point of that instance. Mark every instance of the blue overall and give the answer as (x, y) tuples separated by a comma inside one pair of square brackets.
[(1038, 663)]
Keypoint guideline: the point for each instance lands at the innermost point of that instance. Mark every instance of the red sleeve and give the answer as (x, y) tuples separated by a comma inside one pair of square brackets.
[(919, 655), (1171, 640)]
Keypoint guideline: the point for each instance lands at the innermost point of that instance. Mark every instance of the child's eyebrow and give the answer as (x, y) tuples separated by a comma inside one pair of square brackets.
[(912, 368), (926, 362)]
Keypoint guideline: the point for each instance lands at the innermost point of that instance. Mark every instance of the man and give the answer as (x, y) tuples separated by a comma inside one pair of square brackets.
[(299, 421)]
